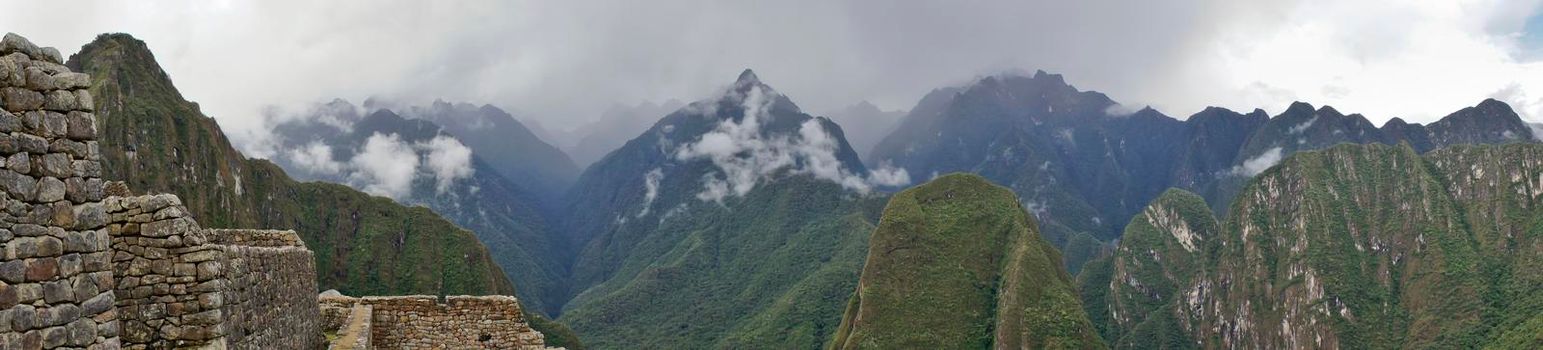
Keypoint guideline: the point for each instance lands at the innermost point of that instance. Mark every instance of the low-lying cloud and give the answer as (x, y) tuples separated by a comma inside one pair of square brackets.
[(744, 156), (1254, 166), (385, 165)]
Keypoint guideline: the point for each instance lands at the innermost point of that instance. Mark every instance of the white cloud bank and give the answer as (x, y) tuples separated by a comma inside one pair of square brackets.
[(387, 166), (744, 156)]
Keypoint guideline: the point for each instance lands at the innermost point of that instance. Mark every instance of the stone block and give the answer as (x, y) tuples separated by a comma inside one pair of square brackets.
[(39, 80), (13, 271), (84, 100), (60, 101), (31, 143), (42, 269), (58, 291), (56, 165), (23, 318), (72, 80), (70, 265), (49, 189), (9, 122), (8, 297), (20, 162), (98, 304), (82, 126), (19, 99)]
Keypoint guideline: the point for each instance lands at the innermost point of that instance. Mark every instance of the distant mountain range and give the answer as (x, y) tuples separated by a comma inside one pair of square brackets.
[(1085, 167)]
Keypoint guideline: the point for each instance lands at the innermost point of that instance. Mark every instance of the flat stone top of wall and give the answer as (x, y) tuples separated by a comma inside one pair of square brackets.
[(256, 238)]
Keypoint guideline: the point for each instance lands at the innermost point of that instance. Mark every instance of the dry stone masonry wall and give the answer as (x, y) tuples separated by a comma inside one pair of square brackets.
[(180, 285), (56, 281), (461, 322)]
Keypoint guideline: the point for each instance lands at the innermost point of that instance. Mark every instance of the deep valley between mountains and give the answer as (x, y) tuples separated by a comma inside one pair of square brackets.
[(1012, 211)]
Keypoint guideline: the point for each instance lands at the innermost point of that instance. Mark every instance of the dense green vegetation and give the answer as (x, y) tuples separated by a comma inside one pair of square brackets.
[(957, 263), (1359, 246), (770, 270)]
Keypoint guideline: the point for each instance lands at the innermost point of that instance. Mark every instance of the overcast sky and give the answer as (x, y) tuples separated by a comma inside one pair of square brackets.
[(563, 62)]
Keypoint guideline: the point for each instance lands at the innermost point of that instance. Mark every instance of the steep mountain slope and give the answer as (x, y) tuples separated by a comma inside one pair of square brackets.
[(158, 142), (505, 217), (957, 263), (503, 143), (735, 222), (1355, 246), (1084, 167)]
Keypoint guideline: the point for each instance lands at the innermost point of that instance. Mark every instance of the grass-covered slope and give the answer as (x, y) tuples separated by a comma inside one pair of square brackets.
[(158, 142), (1356, 246), (958, 263), (770, 270), (1162, 251)]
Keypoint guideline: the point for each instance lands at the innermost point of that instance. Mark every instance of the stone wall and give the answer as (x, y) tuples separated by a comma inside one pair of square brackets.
[(270, 289), (180, 285), (56, 283), (461, 322)]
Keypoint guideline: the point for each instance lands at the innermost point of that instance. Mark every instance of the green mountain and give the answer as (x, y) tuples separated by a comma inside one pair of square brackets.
[(958, 263), (1355, 246), (722, 226), (506, 217), (1085, 164)]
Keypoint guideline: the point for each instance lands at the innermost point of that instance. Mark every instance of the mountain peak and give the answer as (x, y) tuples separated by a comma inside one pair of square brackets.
[(747, 77), (1490, 104)]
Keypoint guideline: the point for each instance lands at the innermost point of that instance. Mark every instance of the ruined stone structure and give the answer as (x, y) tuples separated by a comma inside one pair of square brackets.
[(422, 322), (85, 265), (56, 285), (180, 285)]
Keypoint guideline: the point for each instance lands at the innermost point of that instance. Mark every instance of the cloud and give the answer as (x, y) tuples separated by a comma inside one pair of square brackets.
[(1299, 128), (650, 189), (447, 160), (316, 157), (385, 166), (1254, 166), (744, 155), (564, 62)]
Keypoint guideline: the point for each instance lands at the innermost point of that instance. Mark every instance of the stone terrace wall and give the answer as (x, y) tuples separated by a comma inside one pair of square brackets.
[(462, 322), (180, 285), (56, 283), (168, 279), (270, 290)]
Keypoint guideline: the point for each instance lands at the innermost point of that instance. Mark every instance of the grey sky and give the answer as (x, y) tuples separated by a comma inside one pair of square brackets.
[(564, 62)]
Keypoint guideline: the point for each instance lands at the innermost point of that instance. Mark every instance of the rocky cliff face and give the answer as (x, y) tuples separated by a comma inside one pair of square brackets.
[(1353, 246), (957, 263)]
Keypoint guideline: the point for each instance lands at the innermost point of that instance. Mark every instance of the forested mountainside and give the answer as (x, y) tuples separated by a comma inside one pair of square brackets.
[(958, 263), (1084, 164), (735, 222), (1355, 246)]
